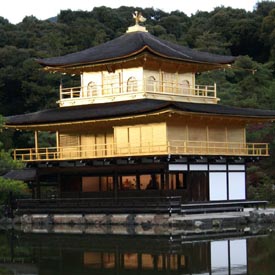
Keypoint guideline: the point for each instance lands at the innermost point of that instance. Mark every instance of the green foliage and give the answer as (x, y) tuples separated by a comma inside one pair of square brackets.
[(260, 185), (18, 188), (5, 271), (7, 163)]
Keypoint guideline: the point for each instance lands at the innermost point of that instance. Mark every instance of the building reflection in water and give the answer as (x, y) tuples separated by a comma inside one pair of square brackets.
[(215, 257), (80, 254), (105, 254), (229, 257)]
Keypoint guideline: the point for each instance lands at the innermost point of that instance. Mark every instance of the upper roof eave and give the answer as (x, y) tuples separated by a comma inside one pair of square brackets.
[(129, 45), (146, 52)]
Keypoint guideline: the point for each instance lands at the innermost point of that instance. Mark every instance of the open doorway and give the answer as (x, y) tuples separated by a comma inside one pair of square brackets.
[(198, 186)]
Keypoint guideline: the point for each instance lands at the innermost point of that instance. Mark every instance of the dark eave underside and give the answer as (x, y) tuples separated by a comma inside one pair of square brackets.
[(131, 44), (131, 108)]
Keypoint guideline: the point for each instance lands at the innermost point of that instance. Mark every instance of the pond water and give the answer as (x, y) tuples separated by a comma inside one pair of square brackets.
[(76, 254)]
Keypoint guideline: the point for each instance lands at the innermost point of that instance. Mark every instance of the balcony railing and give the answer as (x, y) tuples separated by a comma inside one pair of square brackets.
[(109, 150), (137, 88)]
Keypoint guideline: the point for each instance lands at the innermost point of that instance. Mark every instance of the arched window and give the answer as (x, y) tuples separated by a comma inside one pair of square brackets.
[(186, 87), (92, 89), (151, 84), (132, 84)]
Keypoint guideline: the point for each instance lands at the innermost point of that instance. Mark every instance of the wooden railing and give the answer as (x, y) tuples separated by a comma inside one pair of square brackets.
[(108, 150), (104, 205), (136, 87)]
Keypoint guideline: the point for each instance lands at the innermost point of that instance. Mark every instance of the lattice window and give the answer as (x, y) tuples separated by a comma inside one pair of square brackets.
[(132, 84)]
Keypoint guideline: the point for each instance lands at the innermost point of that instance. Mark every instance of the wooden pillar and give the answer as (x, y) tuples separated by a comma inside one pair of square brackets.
[(166, 180), (81, 86), (57, 139), (115, 181), (37, 184), (162, 179), (33, 189), (100, 183), (57, 142), (59, 185), (138, 180), (36, 143)]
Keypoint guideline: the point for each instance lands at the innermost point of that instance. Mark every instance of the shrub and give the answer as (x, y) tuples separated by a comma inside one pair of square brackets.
[(19, 189)]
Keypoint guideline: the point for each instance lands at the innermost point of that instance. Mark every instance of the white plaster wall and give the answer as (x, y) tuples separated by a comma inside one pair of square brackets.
[(217, 186), (187, 76), (133, 72), (91, 76), (96, 77), (236, 185), (155, 74)]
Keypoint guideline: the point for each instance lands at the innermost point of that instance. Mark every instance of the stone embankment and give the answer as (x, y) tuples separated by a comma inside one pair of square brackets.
[(144, 223)]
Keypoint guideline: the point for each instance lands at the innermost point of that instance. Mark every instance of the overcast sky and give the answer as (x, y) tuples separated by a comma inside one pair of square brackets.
[(16, 10)]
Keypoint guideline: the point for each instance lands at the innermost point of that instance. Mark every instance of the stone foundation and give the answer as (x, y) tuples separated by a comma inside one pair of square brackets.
[(141, 223), (95, 219)]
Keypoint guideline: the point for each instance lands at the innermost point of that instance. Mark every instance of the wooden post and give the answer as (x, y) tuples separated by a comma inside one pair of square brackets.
[(58, 195), (162, 179), (36, 144), (60, 90), (33, 189), (37, 183), (115, 181), (166, 183), (138, 180), (57, 144)]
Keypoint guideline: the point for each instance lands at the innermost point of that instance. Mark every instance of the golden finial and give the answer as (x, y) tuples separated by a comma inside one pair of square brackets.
[(138, 17)]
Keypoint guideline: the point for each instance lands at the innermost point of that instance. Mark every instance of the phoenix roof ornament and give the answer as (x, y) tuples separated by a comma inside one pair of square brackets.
[(138, 17)]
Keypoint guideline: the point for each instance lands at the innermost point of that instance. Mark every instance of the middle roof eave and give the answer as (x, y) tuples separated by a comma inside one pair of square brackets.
[(130, 108)]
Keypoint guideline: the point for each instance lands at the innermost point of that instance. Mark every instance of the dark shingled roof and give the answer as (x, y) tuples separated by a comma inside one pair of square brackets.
[(24, 174), (131, 44), (131, 108)]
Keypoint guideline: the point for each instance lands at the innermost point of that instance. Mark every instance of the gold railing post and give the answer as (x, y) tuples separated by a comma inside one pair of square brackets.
[(168, 147), (60, 91)]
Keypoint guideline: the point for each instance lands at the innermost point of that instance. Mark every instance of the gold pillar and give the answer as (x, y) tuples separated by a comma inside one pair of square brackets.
[(57, 144), (36, 143)]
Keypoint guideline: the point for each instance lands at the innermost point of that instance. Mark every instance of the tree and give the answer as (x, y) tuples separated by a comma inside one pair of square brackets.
[(268, 33), (211, 42), (260, 185), (9, 188), (18, 189), (6, 161)]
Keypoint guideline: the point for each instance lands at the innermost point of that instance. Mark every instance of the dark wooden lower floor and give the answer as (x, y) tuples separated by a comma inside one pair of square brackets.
[(129, 205), (134, 181), (103, 205), (141, 186)]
